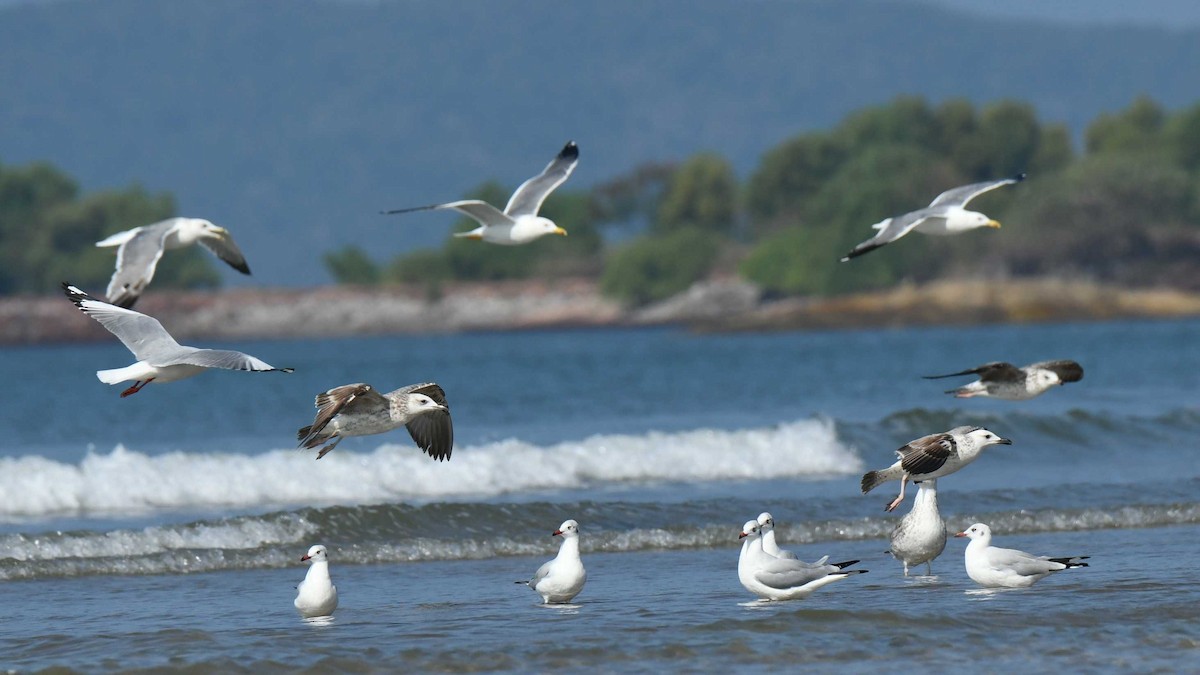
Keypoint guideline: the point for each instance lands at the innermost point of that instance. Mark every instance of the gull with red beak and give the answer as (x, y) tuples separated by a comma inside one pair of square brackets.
[(772, 578), (316, 596), (995, 567), (559, 580)]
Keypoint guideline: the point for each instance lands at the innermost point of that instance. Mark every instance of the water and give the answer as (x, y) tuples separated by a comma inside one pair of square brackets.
[(164, 530)]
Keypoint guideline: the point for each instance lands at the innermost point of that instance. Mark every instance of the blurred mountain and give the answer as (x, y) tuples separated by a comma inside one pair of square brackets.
[(295, 123)]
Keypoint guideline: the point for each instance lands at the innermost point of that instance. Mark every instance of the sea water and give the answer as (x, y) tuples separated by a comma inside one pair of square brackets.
[(165, 529)]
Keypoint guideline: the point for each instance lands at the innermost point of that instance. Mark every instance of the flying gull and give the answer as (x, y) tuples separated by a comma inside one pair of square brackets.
[(360, 410), (944, 215), (933, 456), (159, 357), (920, 536), (558, 581), (995, 567), (772, 578), (316, 595), (1004, 380), (140, 248), (766, 526), (519, 222)]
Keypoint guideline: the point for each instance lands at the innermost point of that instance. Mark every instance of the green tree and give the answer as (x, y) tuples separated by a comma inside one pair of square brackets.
[(48, 233), (701, 194), (1135, 129), (789, 175), (654, 267), (352, 265)]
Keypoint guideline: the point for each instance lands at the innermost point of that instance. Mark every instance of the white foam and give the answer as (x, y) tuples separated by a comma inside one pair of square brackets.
[(126, 481)]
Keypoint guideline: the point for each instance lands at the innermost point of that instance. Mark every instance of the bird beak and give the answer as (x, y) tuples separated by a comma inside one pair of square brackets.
[(742, 535), (221, 231), (555, 533), (559, 230), (993, 223), (305, 557), (961, 534), (1004, 441)]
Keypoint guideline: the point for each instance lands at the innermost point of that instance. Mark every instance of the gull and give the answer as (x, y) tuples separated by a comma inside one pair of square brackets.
[(920, 536), (994, 567), (766, 525), (1004, 380), (945, 215), (519, 222), (316, 596), (140, 248), (360, 410), (772, 578), (933, 456), (159, 357), (559, 580)]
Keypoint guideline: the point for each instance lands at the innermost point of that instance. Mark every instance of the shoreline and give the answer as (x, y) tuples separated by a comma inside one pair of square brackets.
[(726, 305)]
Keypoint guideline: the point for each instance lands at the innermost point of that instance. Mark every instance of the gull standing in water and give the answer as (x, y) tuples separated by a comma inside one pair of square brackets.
[(772, 578), (766, 525), (1004, 380), (920, 536), (932, 456), (360, 410), (995, 567), (316, 596), (140, 248), (945, 215), (519, 222), (159, 357), (558, 581)]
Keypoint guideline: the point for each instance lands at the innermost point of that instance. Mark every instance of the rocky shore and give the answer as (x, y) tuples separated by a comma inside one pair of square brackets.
[(723, 305)]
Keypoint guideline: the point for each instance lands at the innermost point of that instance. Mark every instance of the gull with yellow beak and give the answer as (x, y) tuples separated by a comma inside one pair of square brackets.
[(519, 222), (140, 248), (945, 215)]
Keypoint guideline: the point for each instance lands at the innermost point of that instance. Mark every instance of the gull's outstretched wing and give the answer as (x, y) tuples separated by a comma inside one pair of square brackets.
[(223, 246), (143, 335), (137, 259), (529, 197), (890, 230), (959, 196)]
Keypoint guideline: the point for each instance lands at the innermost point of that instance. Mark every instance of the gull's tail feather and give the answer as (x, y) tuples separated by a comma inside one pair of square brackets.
[(1072, 561), (845, 564), (477, 233)]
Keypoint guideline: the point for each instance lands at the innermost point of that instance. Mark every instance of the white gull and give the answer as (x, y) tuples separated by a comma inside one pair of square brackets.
[(995, 567)]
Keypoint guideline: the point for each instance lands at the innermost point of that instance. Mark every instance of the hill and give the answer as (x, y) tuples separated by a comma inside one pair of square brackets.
[(294, 124)]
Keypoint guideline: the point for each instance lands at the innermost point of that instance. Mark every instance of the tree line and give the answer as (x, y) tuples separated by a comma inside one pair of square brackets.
[(1125, 208)]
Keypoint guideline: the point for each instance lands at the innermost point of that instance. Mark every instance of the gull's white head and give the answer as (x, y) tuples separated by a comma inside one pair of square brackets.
[(315, 554), (191, 229), (419, 403), (983, 438), (569, 528), (1044, 379), (765, 520), (977, 532), (961, 219), (750, 530), (529, 228)]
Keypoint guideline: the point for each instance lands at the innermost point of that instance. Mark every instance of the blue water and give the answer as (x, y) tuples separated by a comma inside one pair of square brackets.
[(164, 529)]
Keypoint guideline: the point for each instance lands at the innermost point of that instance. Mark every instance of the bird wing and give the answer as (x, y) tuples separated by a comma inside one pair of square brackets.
[(889, 230), (478, 210), (143, 335), (926, 454), (959, 196), (432, 430), (222, 245), (1019, 562), (529, 197), (783, 574), (997, 371), (214, 358), (541, 573), (348, 398), (137, 257), (1067, 371)]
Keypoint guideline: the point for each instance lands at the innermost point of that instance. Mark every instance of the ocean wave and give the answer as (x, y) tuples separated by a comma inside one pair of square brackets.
[(405, 533), (126, 481)]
